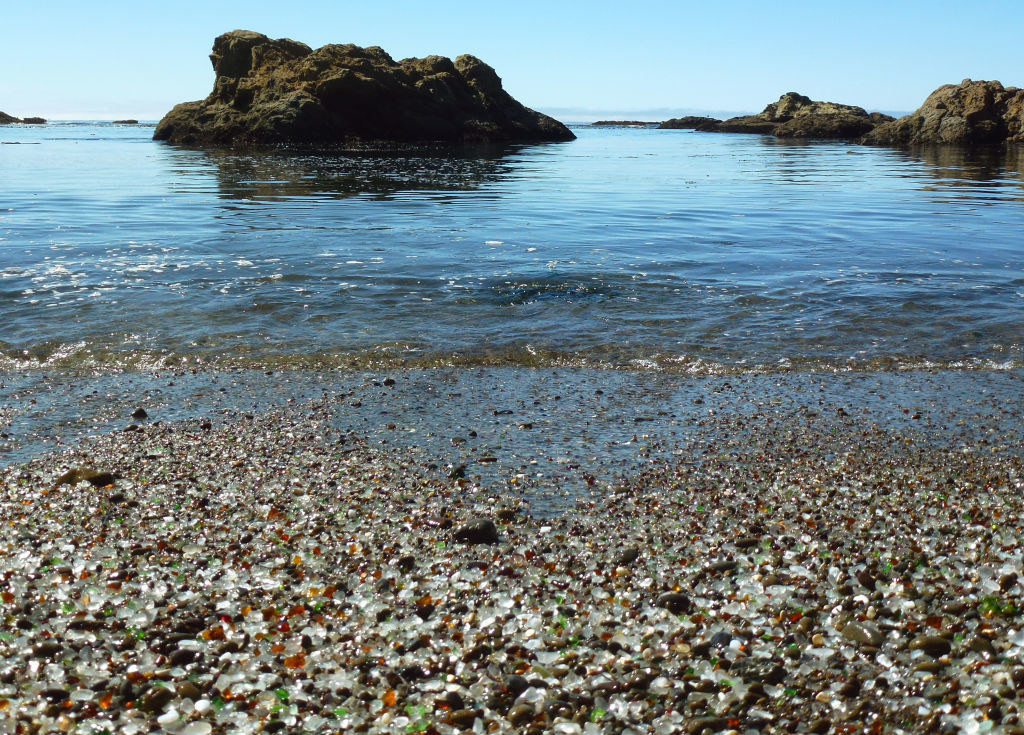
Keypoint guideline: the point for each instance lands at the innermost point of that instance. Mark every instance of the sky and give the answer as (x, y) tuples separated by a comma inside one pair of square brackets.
[(576, 60)]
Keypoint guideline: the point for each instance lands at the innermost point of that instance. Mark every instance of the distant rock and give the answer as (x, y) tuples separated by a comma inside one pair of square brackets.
[(126, 122), (622, 124), (282, 91), (692, 122), (34, 120), (798, 116), (792, 116), (970, 113), (6, 119)]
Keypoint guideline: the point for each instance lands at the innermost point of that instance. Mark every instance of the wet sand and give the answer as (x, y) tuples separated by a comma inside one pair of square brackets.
[(758, 553)]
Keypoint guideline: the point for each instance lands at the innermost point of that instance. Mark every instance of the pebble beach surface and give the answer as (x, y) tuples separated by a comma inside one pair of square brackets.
[(514, 551)]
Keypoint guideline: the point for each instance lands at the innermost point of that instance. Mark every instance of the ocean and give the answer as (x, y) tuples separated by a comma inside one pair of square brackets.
[(637, 248)]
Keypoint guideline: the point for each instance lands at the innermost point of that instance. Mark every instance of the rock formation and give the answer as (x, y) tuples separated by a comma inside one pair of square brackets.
[(969, 113), (282, 91), (692, 122), (793, 116), (6, 119)]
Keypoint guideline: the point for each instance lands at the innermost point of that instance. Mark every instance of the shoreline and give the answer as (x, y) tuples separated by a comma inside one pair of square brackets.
[(826, 553)]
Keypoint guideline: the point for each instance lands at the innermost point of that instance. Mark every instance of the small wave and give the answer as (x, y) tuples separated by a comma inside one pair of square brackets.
[(95, 358)]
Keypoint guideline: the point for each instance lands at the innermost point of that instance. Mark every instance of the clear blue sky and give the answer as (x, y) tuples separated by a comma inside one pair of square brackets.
[(101, 60)]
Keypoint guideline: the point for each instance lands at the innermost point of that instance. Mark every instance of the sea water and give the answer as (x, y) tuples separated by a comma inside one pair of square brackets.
[(654, 249)]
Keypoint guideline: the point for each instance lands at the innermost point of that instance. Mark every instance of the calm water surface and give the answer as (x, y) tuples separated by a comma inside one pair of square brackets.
[(627, 247)]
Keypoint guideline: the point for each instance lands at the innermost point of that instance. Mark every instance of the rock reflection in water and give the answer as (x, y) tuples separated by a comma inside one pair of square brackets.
[(956, 166), (275, 174)]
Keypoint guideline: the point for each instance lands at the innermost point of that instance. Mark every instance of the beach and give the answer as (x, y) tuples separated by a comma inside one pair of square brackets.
[(515, 550)]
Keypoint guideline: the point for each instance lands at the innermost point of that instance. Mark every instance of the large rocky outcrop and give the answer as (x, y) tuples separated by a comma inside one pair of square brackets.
[(969, 113), (6, 119), (793, 116), (282, 91)]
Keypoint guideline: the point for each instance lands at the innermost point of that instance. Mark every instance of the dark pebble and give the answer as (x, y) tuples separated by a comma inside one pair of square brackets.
[(55, 695), (477, 531), (517, 685), (932, 645), (188, 690), (626, 556), (183, 657), (156, 699), (675, 602), (521, 714), (463, 718), (48, 649)]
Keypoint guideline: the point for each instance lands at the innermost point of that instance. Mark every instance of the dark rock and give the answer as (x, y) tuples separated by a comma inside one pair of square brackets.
[(675, 602), (933, 645), (139, 414), (188, 690), (798, 116), (764, 671), (126, 122), (841, 126), (792, 116), (6, 119), (982, 645), (48, 649), (452, 700), (84, 474), (692, 122), (722, 567), (477, 531), (463, 718), (156, 699), (516, 684), (281, 91), (969, 113), (55, 695), (626, 556), (521, 714), (183, 657), (34, 120), (864, 634)]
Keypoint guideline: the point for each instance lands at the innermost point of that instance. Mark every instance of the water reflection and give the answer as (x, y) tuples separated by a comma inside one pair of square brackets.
[(270, 175), (958, 166)]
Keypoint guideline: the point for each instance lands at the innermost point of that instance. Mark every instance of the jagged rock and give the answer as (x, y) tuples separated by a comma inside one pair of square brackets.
[(692, 122), (969, 113), (6, 119), (34, 120), (797, 116), (841, 126), (282, 91), (792, 116)]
